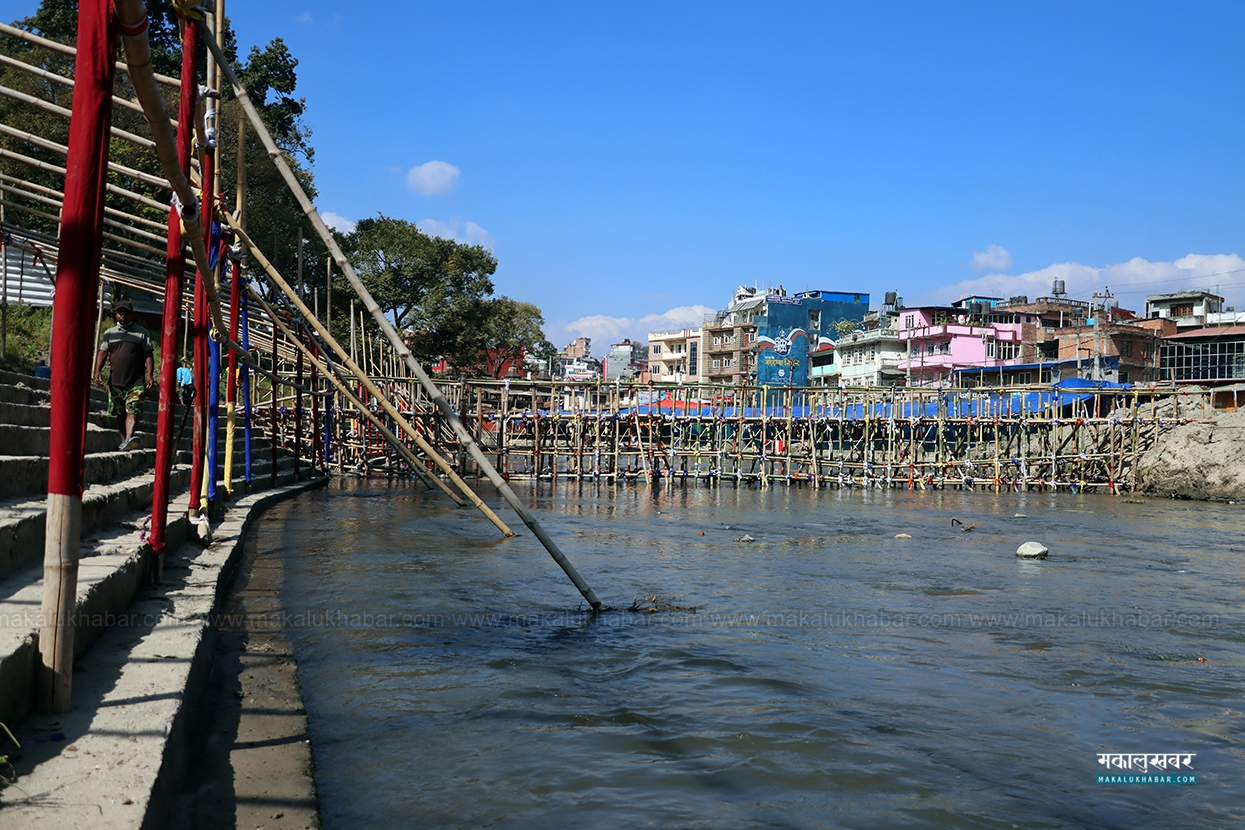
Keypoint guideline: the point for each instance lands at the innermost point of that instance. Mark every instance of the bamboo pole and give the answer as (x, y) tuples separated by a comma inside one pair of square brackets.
[(330, 375), (81, 235), (383, 400)]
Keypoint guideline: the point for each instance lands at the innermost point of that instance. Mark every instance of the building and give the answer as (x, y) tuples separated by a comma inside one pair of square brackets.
[(674, 356), (625, 361), (870, 356), (764, 338), (579, 349), (1120, 352), (823, 365), (579, 369), (728, 339), (940, 341), (1188, 309), (1208, 356)]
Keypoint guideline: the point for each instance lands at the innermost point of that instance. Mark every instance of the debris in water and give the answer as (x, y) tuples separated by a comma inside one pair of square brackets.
[(654, 604), (1020, 516), (745, 538), (903, 535), (966, 528)]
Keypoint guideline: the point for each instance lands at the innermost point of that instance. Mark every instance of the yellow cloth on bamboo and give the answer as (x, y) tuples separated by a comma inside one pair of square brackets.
[(188, 9)]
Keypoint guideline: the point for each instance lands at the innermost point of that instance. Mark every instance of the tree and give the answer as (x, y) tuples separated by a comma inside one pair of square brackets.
[(434, 287), (504, 332)]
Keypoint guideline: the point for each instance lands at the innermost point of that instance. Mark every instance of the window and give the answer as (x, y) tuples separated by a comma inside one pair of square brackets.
[(1126, 348), (909, 321), (692, 349), (944, 347), (929, 347), (717, 364), (814, 320), (717, 341), (656, 348), (1182, 310)]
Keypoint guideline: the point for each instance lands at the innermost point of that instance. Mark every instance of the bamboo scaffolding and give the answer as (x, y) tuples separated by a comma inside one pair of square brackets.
[(983, 438)]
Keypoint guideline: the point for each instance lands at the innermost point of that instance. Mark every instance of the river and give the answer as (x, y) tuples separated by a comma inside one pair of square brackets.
[(826, 674)]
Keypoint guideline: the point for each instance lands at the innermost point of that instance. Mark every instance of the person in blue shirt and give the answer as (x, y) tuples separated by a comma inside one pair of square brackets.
[(185, 383)]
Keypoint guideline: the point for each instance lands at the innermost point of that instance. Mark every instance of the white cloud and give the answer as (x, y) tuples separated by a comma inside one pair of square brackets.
[(305, 17), (337, 222), (605, 330), (993, 258), (1131, 281), (432, 177), (457, 230)]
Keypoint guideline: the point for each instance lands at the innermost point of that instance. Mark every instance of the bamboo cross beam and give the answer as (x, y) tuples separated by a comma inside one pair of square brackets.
[(331, 375), (391, 333), (275, 277), (54, 46), (61, 149)]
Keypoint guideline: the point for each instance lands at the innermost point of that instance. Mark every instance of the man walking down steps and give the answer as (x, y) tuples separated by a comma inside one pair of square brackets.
[(128, 348)]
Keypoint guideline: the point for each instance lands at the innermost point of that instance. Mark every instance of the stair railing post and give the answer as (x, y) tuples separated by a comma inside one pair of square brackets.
[(77, 272)]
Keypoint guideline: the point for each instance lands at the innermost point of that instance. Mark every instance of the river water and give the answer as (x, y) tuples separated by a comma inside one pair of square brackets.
[(830, 675)]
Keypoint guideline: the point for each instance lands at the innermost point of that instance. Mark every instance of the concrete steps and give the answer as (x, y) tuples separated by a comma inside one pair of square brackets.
[(116, 509)]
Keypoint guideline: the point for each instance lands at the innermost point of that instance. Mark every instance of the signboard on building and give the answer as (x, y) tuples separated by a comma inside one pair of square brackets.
[(782, 360)]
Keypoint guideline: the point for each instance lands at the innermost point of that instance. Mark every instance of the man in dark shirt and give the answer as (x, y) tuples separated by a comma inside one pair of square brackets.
[(128, 348)]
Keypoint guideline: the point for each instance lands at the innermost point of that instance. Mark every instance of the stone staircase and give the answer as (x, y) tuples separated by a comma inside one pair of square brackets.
[(116, 508)]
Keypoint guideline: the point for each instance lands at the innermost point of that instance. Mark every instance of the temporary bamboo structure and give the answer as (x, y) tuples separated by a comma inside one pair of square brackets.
[(275, 276), (392, 335), (1005, 438), (327, 370)]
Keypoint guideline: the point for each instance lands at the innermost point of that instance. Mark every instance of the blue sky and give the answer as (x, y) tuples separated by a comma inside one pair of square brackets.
[(630, 164)]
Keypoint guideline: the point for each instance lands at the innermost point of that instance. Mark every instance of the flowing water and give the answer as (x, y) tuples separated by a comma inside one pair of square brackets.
[(826, 674)]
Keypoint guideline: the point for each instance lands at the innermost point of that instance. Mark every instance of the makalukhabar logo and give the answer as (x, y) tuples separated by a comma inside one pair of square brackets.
[(1147, 768)]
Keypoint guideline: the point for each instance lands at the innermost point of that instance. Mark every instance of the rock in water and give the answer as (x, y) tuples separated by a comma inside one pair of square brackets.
[(903, 535), (746, 538), (1032, 550)]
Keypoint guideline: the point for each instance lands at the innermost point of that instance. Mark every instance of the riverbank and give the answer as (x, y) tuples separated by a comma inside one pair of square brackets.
[(124, 754), (249, 751), (1204, 460)]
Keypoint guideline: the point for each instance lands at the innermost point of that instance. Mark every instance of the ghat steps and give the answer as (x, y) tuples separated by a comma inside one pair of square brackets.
[(116, 508)]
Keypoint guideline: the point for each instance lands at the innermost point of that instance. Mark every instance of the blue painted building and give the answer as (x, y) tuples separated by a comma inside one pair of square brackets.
[(787, 328)]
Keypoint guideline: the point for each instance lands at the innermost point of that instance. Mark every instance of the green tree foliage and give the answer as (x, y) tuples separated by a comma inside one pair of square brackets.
[(503, 331), (431, 286)]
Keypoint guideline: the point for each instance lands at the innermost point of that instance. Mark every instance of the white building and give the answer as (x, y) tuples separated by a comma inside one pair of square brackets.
[(1189, 309), (674, 356), (870, 357)]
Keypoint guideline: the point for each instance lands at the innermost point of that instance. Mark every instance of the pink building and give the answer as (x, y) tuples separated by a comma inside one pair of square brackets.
[(942, 339)]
